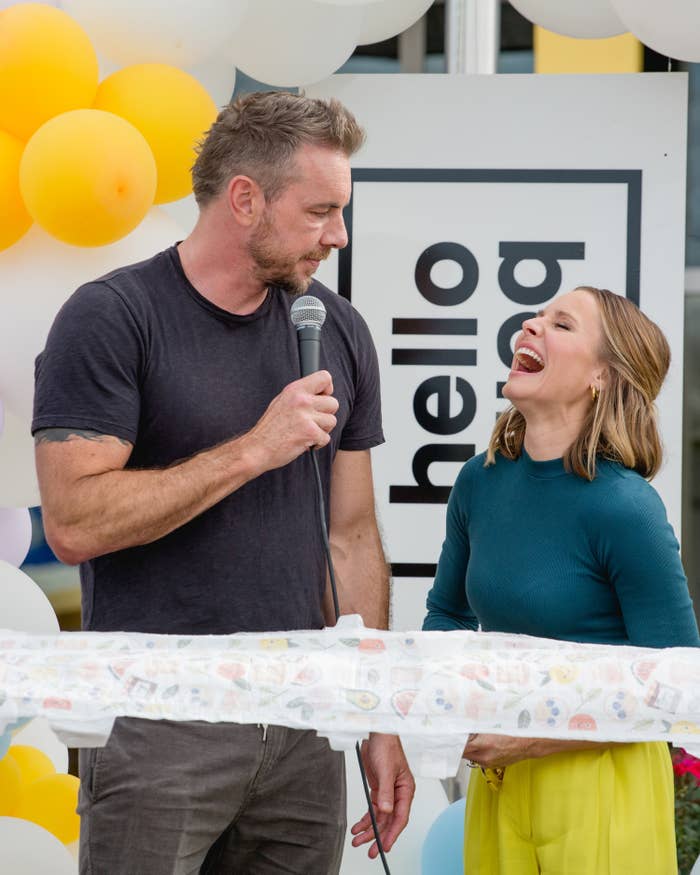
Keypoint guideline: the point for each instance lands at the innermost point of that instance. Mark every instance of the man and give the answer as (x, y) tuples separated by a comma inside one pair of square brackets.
[(171, 436)]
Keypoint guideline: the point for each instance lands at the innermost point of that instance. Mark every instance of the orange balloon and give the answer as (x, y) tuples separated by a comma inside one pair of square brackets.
[(171, 109), (88, 177), (33, 763), (10, 786), (51, 802), (47, 66), (16, 221)]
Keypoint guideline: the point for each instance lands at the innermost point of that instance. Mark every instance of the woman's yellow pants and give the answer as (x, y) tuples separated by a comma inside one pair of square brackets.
[(607, 811)]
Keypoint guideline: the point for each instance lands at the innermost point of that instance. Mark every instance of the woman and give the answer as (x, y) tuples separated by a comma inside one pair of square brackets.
[(555, 532)]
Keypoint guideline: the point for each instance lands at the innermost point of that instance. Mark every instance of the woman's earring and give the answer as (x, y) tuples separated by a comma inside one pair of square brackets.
[(595, 391)]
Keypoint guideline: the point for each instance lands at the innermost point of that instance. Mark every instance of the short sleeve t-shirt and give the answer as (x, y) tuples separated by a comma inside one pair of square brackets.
[(141, 355)]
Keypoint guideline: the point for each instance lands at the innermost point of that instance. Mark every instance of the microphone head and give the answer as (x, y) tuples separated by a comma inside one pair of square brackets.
[(307, 311)]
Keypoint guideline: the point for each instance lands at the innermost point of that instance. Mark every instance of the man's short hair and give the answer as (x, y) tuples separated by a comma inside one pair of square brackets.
[(259, 134)]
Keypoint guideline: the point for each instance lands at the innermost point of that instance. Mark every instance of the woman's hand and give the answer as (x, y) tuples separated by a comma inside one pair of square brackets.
[(497, 751)]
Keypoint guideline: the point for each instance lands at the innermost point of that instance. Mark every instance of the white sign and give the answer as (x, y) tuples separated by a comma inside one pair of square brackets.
[(475, 201)]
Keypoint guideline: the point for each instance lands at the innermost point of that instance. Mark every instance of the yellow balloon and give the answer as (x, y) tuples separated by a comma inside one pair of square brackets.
[(47, 66), (31, 762), (10, 786), (15, 220), (171, 109), (51, 802), (88, 177)]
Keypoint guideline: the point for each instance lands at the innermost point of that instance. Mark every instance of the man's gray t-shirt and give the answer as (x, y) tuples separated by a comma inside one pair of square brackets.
[(140, 354)]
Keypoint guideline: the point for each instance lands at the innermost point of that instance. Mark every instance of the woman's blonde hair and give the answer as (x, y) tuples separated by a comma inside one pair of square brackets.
[(621, 424)]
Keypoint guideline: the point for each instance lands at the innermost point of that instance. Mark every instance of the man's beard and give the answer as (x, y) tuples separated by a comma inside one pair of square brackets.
[(275, 268)]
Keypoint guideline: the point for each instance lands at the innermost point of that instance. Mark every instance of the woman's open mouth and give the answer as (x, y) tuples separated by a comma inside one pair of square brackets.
[(527, 361)]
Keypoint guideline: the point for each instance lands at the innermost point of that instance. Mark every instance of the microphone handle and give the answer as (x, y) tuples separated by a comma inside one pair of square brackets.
[(309, 337)]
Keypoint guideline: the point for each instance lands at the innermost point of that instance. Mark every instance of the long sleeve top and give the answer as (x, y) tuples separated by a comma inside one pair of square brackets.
[(531, 548)]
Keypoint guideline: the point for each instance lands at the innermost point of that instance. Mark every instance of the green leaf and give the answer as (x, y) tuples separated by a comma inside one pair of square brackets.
[(485, 685)]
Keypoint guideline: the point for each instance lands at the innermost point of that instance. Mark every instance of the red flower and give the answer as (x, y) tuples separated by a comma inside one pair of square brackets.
[(684, 763)]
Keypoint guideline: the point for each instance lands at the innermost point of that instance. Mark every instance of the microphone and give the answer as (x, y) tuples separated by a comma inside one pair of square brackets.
[(308, 315)]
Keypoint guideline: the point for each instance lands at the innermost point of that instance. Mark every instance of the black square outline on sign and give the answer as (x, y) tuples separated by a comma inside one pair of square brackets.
[(631, 178)]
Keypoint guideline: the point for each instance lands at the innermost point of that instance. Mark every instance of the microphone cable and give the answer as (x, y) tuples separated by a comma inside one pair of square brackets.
[(336, 608)]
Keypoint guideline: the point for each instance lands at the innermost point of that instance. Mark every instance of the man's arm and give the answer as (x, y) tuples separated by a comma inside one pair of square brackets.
[(93, 505), (363, 588), (362, 574)]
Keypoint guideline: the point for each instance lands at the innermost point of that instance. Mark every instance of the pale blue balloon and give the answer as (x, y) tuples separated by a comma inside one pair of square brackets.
[(6, 737), (5, 742), (443, 848)]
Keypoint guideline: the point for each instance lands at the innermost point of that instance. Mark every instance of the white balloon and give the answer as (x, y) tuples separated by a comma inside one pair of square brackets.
[(15, 534), (671, 28), (28, 849), (18, 483), (592, 19), (295, 42), (107, 66), (386, 19), (37, 733), (137, 31), (185, 212), (23, 605), (218, 75), (73, 849), (37, 275), (5, 4)]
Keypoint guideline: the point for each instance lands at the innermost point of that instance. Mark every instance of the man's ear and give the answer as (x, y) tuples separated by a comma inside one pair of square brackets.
[(246, 200)]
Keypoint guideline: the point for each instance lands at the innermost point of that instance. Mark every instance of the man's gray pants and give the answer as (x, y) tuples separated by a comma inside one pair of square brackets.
[(171, 798)]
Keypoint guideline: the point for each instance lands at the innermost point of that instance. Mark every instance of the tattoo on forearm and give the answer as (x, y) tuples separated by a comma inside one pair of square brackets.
[(59, 435)]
